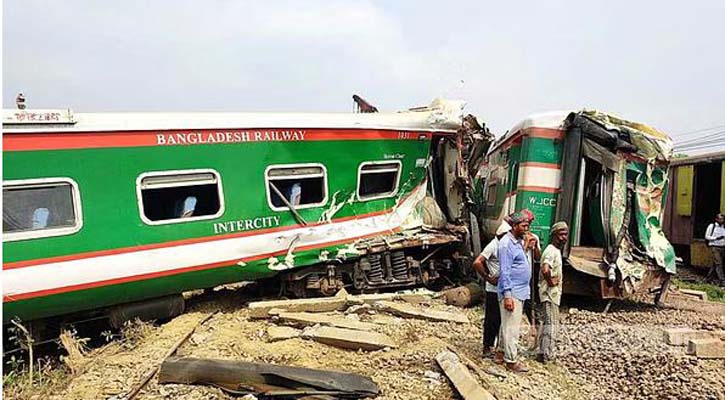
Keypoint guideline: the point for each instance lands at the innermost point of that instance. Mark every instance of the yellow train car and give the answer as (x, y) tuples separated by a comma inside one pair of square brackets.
[(697, 193)]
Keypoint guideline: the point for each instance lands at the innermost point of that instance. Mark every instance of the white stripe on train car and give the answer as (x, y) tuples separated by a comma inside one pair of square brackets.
[(539, 177), (104, 268)]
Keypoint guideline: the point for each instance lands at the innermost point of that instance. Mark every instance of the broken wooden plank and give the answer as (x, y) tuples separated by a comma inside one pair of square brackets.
[(408, 311), (277, 333), (310, 319), (680, 336), (262, 378), (707, 348), (260, 309), (348, 338), (461, 377)]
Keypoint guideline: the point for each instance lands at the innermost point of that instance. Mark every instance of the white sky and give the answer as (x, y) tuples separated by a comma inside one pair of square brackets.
[(658, 62)]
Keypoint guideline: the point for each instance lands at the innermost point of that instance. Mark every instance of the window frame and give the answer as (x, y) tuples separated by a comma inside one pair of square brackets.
[(139, 195), (299, 165), (384, 195), (494, 185), (47, 232)]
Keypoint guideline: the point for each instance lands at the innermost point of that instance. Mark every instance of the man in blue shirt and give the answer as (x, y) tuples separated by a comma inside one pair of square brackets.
[(513, 288)]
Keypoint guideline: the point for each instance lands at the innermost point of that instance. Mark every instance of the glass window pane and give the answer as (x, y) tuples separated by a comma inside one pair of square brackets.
[(38, 207), (378, 180)]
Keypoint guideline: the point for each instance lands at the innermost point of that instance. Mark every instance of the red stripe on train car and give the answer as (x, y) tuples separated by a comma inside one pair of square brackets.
[(160, 274), (174, 243), (543, 189), (539, 165), (29, 141)]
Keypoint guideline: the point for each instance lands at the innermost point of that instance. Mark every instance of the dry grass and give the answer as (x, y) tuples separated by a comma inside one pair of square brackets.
[(48, 379), (76, 359), (135, 331)]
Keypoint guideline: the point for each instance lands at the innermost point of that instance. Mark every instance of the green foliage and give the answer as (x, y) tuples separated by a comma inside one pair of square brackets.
[(714, 292)]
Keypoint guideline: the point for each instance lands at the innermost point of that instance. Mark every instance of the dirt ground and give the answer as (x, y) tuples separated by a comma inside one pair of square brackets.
[(620, 354)]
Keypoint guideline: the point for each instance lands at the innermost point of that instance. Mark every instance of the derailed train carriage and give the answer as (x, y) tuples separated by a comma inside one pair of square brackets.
[(116, 214), (606, 177)]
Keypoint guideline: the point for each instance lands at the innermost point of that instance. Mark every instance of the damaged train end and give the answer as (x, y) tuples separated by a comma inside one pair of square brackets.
[(607, 178), (366, 201), (430, 232)]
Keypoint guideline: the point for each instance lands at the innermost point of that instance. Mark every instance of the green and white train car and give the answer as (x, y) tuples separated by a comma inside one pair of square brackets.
[(106, 209), (605, 176)]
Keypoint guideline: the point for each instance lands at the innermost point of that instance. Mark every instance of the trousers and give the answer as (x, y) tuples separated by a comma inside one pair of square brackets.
[(508, 337), (549, 329), (718, 254), (491, 320)]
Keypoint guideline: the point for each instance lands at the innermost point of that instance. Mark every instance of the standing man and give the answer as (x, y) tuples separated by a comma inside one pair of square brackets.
[(715, 237), (513, 289), (550, 282), (486, 265)]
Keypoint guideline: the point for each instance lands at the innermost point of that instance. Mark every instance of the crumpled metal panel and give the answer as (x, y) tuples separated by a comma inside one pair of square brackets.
[(651, 143)]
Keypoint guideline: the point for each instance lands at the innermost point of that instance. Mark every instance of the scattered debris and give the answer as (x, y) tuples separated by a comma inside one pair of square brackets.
[(277, 333), (267, 380), (462, 380), (359, 309), (432, 375), (260, 309), (348, 338), (310, 319), (405, 310), (707, 348)]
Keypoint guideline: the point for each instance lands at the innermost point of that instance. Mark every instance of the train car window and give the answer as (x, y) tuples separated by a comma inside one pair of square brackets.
[(378, 179), (35, 208), (491, 194), (302, 185), (180, 196)]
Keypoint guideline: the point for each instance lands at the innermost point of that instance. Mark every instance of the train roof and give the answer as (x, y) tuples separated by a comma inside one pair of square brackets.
[(554, 120), (708, 157), (440, 116), (545, 120)]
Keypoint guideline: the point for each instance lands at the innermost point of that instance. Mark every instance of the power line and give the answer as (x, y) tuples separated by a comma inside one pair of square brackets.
[(703, 146), (706, 142), (700, 130), (708, 138), (718, 134), (700, 146)]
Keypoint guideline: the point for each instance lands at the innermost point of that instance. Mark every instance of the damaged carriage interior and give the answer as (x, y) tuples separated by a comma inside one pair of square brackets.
[(615, 201)]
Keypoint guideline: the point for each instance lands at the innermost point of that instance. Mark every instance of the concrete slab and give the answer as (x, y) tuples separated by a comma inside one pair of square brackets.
[(707, 348), (260, 309), (681, 336), (409, 296), (311, 319), (348, 338), (462, 379), (695, 293), (277, 333), (408, 311), (361, 299)]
